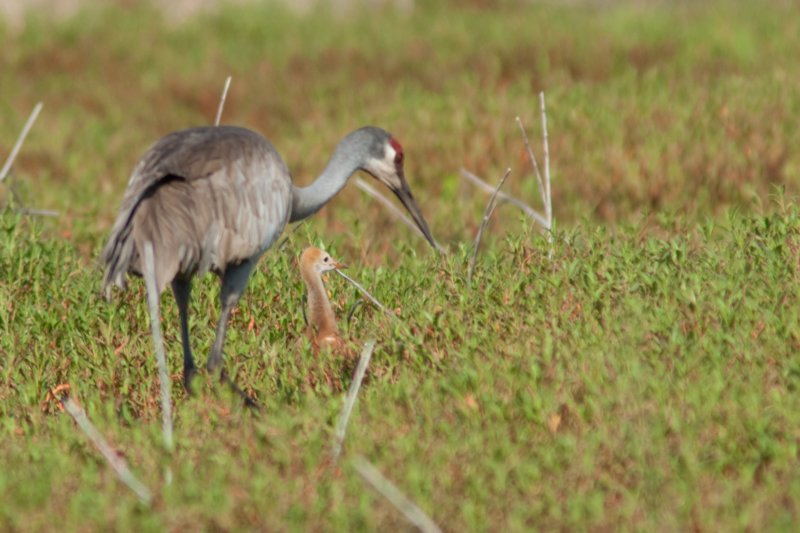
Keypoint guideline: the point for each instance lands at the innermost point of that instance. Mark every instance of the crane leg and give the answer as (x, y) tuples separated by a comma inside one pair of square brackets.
[(215, 358), (182, 288), (233, 283)]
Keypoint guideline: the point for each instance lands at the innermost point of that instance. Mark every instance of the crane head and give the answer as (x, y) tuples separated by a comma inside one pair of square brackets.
[(315, 260), (386, 165)]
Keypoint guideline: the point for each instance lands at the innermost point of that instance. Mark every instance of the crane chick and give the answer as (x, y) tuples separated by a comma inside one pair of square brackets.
[(322, 330)]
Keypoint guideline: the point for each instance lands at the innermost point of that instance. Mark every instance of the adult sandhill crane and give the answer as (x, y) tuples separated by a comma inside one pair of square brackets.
[(216, 198), (322, 330)]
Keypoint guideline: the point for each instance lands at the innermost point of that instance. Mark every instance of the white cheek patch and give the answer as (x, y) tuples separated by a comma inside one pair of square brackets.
[(390, 153), (385, 168)]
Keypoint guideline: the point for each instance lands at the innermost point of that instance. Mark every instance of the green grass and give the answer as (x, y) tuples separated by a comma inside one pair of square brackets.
[(643, 378), (631, 381)]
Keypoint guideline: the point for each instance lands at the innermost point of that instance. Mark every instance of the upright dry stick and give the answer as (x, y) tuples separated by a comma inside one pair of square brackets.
[(544, 185), (20, 140), (535, 165), (349, 402), (487, 214), (528, 210), (549, 204), (401, 502), (367, 188), (116, 462), (222, 101), (158, 343)]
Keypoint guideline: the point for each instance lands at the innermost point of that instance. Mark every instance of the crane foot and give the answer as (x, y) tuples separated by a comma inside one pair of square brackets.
[(248, 401)]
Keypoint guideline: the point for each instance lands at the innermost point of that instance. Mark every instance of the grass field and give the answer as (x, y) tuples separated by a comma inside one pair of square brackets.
[(641, 376)]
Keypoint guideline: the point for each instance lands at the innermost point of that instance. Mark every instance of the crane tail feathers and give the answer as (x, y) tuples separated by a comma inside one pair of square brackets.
[(117, 257)]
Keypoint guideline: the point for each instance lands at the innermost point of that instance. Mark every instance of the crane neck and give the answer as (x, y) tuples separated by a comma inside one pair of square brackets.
[(320, 311), (308, 200)]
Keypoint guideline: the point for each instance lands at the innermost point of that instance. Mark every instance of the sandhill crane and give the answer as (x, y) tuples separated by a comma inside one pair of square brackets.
[(322, 328), (216, 198)]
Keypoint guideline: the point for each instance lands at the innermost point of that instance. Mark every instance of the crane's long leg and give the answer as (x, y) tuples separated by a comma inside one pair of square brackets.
[(215, 358), (182, 288), (233, 283)]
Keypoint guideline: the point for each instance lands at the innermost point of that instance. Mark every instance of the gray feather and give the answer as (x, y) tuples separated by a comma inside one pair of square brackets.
[(206, 198)]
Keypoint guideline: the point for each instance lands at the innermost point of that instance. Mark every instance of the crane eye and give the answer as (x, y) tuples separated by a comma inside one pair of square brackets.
[(326, 259)]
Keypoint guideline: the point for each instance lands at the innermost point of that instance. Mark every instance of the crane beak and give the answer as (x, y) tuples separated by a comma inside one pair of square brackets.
[(403, 193), (337, 265)]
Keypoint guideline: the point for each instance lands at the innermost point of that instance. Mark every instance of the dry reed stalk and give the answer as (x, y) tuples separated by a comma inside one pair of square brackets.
[(117, 463), (487, 214), (21, 139), (222, 101), (350, 400), (528, 210), (400, 501), (366, 293)]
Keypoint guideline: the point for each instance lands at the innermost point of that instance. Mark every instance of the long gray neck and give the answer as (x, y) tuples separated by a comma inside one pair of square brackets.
[(308, 200)]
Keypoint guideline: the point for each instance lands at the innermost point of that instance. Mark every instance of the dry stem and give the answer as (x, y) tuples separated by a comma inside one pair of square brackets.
[(20, 140), (116, 462), (365, 293), (486, 216), (222, 101), (400, 501), (549, 204), (344, 417), (535, 165), (528, 210)]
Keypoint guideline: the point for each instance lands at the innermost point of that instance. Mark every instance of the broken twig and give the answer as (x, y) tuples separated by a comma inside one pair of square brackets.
[(544, 183), (117, 463), (535, 165), (37, 212), (21, 139), (222, 101), (364, 291), (528, 210), (549, 204), (487, 214), (400, 501), (349, 402)]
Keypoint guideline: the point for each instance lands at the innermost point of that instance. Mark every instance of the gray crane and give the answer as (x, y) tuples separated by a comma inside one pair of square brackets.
[(216, 198)]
